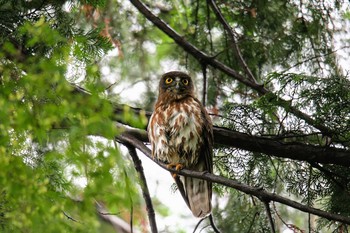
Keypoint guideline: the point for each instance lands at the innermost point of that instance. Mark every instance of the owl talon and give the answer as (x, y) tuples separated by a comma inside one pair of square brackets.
[(176, 166)]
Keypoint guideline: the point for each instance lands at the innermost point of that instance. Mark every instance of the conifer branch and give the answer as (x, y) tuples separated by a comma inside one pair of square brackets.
[(279, 148), (254, 191), (204, 58), (270, 145), (236, 49)]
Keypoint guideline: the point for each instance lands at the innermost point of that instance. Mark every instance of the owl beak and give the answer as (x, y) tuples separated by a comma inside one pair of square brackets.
[(177, 85)]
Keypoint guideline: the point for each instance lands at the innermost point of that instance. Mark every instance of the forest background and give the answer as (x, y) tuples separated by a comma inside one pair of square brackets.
[(78, 80)]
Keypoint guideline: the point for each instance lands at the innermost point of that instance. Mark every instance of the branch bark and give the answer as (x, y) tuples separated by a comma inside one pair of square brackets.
[(296, 151), (229, 138), (269, 216), (255, 191), (144, 187)]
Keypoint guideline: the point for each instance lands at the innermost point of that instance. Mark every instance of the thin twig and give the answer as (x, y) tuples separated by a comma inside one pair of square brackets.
[(211, 219), (118, 224), (144, 187), (292, 227), (104, 213), (69, 217), (229, 30), (197, 225), (269, 215), (204, 94)]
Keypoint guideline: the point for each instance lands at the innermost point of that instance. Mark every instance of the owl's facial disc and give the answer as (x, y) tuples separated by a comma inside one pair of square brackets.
[(178, 85)]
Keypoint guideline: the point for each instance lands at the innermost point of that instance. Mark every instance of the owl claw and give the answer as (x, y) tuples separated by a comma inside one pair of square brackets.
[(176, 166)]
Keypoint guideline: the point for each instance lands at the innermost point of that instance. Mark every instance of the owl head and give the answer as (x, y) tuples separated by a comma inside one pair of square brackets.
[(176, 85)]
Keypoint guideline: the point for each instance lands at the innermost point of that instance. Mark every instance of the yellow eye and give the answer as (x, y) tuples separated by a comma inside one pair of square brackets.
[(168, 80), (185, 81)]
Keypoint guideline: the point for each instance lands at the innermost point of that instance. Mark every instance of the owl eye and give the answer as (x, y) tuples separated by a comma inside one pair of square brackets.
[(168, 80), (185, 81)]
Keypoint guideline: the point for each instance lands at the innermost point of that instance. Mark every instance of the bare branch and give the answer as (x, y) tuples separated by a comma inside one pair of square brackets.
[(212, 223), (255, 191), (144, 187), (204, 92), (69, 217), (274, 146), (197, 225), (292, 227), (269, 215), (117, 223)]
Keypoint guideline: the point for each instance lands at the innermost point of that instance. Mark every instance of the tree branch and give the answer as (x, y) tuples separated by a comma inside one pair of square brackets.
[(144, 187), (117, 223), (69, 217), (204, 92), (204, 58), (270, 146), (255, 191), (212, 223), (269, 215), (236, 49), (228, 138), (191, 49)]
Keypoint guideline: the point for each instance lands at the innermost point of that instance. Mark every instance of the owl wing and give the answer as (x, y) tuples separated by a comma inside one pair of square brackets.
[(197, 192)]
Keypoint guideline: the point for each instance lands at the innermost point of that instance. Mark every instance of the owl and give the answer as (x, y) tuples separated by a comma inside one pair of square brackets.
[(181, 135)]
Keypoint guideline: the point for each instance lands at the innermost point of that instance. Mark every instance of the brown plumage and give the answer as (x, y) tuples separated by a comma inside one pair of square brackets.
[(181, 135)]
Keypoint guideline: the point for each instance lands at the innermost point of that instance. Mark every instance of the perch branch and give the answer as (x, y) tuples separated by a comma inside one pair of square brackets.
[(270, 146), (229, 138), (255, 191)]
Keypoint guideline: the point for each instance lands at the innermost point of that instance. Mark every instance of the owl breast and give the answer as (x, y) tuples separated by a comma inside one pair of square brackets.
[(176, 132)]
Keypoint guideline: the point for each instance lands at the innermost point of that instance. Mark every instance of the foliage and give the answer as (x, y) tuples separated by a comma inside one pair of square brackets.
[(57, 150), (52, 171)]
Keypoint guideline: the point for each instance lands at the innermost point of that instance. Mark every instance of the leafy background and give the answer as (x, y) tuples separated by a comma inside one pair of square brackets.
[(59, 161)]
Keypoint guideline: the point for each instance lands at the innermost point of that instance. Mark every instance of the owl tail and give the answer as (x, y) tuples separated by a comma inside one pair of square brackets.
[(197, 194)]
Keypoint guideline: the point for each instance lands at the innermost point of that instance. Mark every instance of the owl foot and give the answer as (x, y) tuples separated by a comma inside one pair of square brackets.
[(177, 166)]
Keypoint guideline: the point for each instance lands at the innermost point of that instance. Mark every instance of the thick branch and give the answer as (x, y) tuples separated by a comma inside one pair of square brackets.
[(270, 146), (266, 145), (255, 191), (204, 58)]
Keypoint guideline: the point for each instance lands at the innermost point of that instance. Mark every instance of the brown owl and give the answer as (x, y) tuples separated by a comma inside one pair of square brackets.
[(181, 135)]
